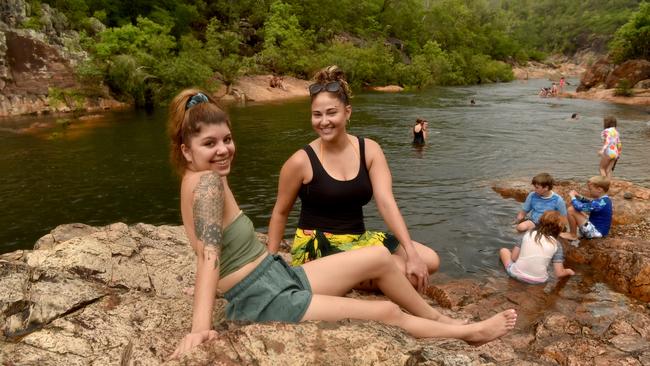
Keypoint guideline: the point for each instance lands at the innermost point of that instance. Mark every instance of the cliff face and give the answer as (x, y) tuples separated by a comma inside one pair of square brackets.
[(32, 63)]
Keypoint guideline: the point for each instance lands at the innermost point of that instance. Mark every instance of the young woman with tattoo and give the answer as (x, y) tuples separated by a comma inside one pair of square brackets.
[(262, 287)]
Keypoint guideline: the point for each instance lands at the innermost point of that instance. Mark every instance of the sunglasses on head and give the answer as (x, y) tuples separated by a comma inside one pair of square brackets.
[(332, 87)]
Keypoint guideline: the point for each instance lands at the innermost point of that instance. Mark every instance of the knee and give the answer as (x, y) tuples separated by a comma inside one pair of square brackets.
[(390, 313), (570, 210), (432, 260)]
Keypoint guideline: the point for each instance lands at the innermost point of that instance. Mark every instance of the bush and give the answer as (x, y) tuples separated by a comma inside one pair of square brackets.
[(623, 89), (632, 40)]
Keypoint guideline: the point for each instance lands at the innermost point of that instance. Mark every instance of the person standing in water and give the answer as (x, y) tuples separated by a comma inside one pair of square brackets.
[(420, 131)]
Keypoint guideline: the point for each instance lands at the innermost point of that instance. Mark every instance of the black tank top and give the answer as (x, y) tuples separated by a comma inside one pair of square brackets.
[(418, 137), (332, 205)]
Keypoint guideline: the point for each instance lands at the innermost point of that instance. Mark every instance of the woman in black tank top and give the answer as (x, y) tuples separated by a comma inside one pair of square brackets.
[(335, 176)]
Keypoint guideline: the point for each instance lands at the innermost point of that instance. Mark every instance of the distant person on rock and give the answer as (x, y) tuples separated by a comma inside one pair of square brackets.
[(261, 287), (528, 262), (590, 217), (610, 152), (562, 84), (420, 131), (277, 82), (540, 200), (554, 90)]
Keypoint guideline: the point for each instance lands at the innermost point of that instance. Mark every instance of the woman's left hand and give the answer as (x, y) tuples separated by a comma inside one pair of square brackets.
[(416, 268), (192, 340)]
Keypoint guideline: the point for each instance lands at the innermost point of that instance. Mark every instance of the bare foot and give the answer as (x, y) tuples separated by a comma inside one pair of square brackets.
[(492, 328)]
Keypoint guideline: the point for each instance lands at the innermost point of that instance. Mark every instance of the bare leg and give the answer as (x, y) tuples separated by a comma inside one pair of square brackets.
[(575, 218), (610, 168), (604, 163), (332, 308), (428, 256), (506, 256), (336, 274), (525, 226)]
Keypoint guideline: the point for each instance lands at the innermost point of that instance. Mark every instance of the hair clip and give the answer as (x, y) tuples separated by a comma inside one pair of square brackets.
[(196, 99)]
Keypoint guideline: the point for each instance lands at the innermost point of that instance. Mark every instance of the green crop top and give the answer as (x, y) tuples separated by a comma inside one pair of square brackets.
[(240, 245)]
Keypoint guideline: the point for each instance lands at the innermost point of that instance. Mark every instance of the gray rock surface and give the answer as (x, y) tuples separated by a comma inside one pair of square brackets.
[(115, 295)]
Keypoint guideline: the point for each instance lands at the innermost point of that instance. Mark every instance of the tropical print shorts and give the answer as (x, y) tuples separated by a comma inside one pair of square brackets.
[(312, 244)]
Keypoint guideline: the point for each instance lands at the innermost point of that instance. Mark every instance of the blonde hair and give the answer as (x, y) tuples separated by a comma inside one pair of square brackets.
[(185, 121), (601, 182), (330, 74), (551, 224)]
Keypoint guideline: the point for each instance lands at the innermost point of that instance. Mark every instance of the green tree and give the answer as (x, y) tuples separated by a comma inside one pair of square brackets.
[(632, 40)]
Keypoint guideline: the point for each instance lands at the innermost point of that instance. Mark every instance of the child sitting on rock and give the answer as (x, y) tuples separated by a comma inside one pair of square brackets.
[(590, 218), (529, 261), (540, 200)]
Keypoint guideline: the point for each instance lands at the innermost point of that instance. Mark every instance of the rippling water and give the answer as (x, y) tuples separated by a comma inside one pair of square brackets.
[(115, 168)]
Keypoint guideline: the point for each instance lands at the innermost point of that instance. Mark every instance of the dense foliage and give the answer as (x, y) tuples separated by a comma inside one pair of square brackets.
[(568, 26), (632, 40), (149, 49)]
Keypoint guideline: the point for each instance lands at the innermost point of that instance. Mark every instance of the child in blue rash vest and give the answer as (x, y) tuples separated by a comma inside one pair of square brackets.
[(528, 262), (593, 217), (540, 200)]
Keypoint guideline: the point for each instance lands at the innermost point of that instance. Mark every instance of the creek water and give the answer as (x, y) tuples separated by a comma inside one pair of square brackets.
[(115, 168)]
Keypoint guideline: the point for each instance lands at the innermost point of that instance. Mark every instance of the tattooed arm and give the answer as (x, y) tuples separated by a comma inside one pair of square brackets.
[(207, 213)]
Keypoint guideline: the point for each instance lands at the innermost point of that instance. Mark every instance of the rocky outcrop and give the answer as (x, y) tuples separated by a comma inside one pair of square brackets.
[(595, 75), (621, 260), (608, 76), (36, 64), (258, 88), (633, 71), (115, 295)]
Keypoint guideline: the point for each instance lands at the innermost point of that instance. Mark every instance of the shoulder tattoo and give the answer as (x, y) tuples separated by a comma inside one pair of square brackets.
[(207, 209)]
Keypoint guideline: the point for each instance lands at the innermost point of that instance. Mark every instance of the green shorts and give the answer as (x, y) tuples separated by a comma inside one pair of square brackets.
[(312, 244), (274, 291)]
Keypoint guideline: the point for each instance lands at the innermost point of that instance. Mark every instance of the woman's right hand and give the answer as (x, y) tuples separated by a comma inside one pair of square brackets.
[(192, 340)]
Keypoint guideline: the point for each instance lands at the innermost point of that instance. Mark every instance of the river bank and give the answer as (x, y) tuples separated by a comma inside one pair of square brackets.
[(115, 294)]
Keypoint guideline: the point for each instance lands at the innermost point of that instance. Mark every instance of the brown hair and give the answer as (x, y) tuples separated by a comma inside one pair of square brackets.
[(551, 224), (601, 182), (544, 180), (609, 121), (330, 74), (184, 122)]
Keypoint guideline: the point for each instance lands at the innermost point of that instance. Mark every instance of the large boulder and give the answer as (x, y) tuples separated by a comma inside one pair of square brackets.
[(632, 70), (116, 295), (595, 75)]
